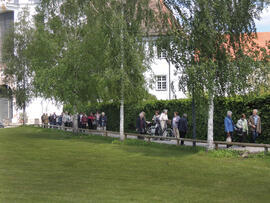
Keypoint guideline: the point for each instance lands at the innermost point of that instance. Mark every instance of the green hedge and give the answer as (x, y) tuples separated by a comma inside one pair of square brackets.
[(237, 105)]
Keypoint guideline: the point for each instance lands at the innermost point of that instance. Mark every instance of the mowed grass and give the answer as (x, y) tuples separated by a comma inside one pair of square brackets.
[(43, 165)]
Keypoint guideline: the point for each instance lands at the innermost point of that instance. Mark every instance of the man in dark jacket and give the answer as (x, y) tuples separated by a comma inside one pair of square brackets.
[(80, 120), (182, 126), (103, 121)]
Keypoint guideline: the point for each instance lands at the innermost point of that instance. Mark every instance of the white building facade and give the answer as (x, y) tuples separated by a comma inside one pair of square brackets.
[(163, 79)]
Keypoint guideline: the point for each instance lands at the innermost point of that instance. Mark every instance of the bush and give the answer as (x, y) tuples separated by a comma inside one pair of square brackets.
[(237, 105)]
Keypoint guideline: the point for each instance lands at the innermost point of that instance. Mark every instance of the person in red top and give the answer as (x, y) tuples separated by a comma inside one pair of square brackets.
[(91, 119), (84, 121)]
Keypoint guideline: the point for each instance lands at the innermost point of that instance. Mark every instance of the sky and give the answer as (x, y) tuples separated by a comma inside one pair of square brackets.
[(263, 25)]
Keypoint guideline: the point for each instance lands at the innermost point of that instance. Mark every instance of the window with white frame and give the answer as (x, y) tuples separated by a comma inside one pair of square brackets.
[(162, 54), (161, 83)]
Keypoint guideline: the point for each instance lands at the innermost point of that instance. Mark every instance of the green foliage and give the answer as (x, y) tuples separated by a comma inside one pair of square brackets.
[(210, 49), (237, 105), (16, 59), (78, 50)]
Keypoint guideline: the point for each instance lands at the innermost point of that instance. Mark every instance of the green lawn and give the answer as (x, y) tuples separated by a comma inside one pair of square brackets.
[(39, 165)]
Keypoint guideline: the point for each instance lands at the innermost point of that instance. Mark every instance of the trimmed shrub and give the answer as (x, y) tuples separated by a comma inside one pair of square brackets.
[(237, 105)]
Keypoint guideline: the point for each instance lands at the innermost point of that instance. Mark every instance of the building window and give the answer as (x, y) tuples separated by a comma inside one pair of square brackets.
[(161, 83), (162, 54)]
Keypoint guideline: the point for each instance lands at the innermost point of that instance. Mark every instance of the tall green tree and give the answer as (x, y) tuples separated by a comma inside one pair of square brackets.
[(15, 58), (215, 50), (91, 50)]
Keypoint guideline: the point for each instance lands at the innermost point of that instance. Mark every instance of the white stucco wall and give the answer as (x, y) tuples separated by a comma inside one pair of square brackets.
[(160, 66), (36, 108)]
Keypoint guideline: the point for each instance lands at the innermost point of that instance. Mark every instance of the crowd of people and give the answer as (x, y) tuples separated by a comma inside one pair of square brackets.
[(179, 124), (91, 121), (242, 127)]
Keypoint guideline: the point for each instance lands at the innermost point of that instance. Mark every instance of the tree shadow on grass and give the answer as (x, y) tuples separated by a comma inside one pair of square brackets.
[(129, 145), (158, 149)]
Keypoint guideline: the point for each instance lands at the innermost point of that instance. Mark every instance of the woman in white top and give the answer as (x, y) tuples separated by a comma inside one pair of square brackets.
[(242, 128), (163, 121)]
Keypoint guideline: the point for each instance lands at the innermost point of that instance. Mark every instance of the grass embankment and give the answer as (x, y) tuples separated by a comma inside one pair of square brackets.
[(43, 165)]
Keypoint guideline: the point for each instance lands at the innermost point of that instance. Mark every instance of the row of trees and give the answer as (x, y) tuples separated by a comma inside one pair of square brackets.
[(81, 51)]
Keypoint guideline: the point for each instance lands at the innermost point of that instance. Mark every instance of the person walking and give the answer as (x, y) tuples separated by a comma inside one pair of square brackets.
[(183, 127), (42, 119), (97, 120), (254, 122), (103, 121), (80, 120), (51, 120), (141, 124), (163, 122), (242, 128), (155, 117), (60, 119), (46, 121), (91, 118), (229, 127), (54, 119), (64, 119), (69, 120), (175, 123), (94, 122), (84, 121)]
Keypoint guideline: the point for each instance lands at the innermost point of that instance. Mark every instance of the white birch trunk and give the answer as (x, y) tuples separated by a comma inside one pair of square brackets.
[(210, 134), (75, 123), (122, 133), (24, 119)]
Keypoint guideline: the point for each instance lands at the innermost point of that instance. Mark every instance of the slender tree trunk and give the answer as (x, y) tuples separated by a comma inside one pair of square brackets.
[(169, 79), (193, 119), (24, 107), (210, 134), (75, 121), (122, 133), (24, 104)]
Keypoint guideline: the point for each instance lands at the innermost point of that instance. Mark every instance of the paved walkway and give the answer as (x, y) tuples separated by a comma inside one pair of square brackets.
[(174, 142)]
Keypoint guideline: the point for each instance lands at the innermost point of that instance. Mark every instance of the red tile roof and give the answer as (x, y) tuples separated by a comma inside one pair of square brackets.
[(262, 38)]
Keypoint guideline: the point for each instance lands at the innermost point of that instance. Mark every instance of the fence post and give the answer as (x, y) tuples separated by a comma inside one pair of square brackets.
[(178, 141), (216, 146), (106, 133)]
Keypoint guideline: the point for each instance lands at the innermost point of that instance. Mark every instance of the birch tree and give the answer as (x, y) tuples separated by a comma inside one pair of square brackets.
[(215, 48), (90, 51), (15, 59)]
